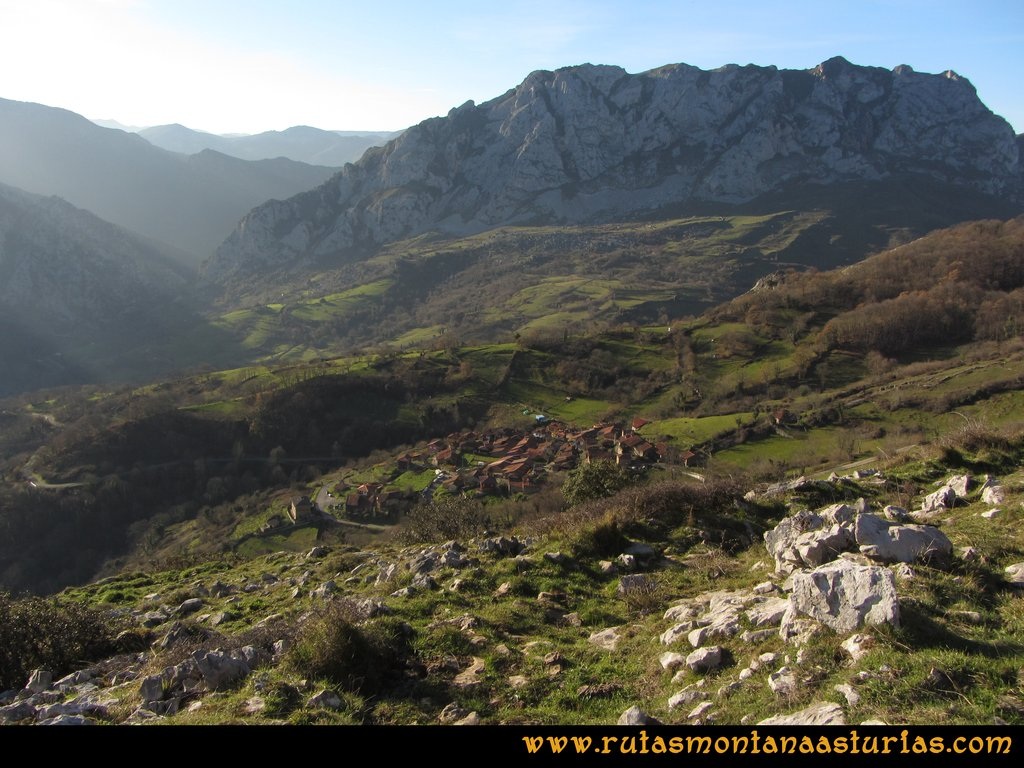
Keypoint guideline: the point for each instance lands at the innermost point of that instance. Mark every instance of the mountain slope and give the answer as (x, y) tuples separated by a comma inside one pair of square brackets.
[(301, 143), (189, 202), (81, 299), (593, 143)]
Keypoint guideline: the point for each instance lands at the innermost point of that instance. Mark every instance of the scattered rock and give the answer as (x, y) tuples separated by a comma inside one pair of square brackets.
[(635, 582), (518, 681), (858, 646), (503, 545), (993, 495), (503, 589), (1015, 574), (471, 675), (192, 605), (40, 680), (641, 551), (892, 543), (755, 636), (598, 690), (473, 718), (942, 499), (843, 596), (636, 716), (606, 638), (896, 514), (961, 485), (686, 697), (607, 568), (768, 613), (705, 659), (16, 713), (152, 689), (700, 710), (670, 660), (849, 693), (989, 514), (325, 699), (968, 617), (218, 669), (325, 590), (154, 619), (816, 714), (783, 682)]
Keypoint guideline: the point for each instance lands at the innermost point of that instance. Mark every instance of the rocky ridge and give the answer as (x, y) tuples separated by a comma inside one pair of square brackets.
[(593, 142)]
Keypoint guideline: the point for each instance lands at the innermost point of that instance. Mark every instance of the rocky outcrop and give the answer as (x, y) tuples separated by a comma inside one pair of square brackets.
[(587, 142), (843, 596)]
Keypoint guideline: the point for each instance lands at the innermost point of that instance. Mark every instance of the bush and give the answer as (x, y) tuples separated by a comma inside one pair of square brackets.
[(597, 480), (445, 518), (358, 657), (52, 634)]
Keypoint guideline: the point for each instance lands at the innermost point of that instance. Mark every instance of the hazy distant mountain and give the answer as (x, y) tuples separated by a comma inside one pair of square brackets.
[(592, 143), (189, 201), (118, 125), (80, 299), (301, 143)]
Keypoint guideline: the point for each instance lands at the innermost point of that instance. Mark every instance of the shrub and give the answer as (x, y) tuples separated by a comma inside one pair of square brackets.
[(50, 633), (358, 657), (448, 517)]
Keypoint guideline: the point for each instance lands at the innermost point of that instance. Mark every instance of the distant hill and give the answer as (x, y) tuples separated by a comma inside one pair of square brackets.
[(301, 143), (190, 202), (592, 144), (82, 300)]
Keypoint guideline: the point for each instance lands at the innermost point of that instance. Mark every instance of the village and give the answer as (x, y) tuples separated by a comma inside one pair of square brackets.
[(499, 462)]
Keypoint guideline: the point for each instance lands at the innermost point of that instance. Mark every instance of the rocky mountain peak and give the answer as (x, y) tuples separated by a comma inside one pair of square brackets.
[(593, 142)]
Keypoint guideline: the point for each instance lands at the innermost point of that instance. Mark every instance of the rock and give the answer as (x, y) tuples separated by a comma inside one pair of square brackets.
[(451, 713), (17, 713), (858, 646), (370, 607), (518, 681), (68, 720), (671, 661), (961, 485), (152, 689), (700, 710), (816, 714), (896, 514), (636, 716), (849, 693), (843, 596), (942, 499), (222, 617), (686, 697), (154, 619), (387, 573), (1015, 574), (757, 636), (636, 582), (607, 568), (473, 718), (424, 581), (503, 589), (572, 619), (783, 682), (220, 589), (316, 553), (641, 551), (218, 669), (324, 699), (993, 495), (606, 638), (765, 588), (503, 545), (682, 612), (903, 572), (40, 680), (628, 562), (968, 617), (705, 659), (970, 555), (325, 590), (471, 675), (768, 613), (802, 540), (746, 673), (988, 515), (558, 558), (254, 705), (190, 606), (892, 543)]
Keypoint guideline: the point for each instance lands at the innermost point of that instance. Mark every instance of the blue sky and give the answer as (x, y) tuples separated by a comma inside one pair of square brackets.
[(253, 65)]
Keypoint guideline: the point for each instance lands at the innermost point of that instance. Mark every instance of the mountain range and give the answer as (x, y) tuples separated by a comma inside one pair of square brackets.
[(188, 202), (591, 144), (301, 143)]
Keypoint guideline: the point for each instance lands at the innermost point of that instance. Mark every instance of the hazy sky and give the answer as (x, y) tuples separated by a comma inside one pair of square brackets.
[(254, 65)]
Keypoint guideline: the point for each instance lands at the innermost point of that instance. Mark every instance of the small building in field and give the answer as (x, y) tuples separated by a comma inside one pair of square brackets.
[(301, 510)]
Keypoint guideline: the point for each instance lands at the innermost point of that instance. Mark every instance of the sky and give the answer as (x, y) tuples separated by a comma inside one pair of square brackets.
[(245, 66)]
